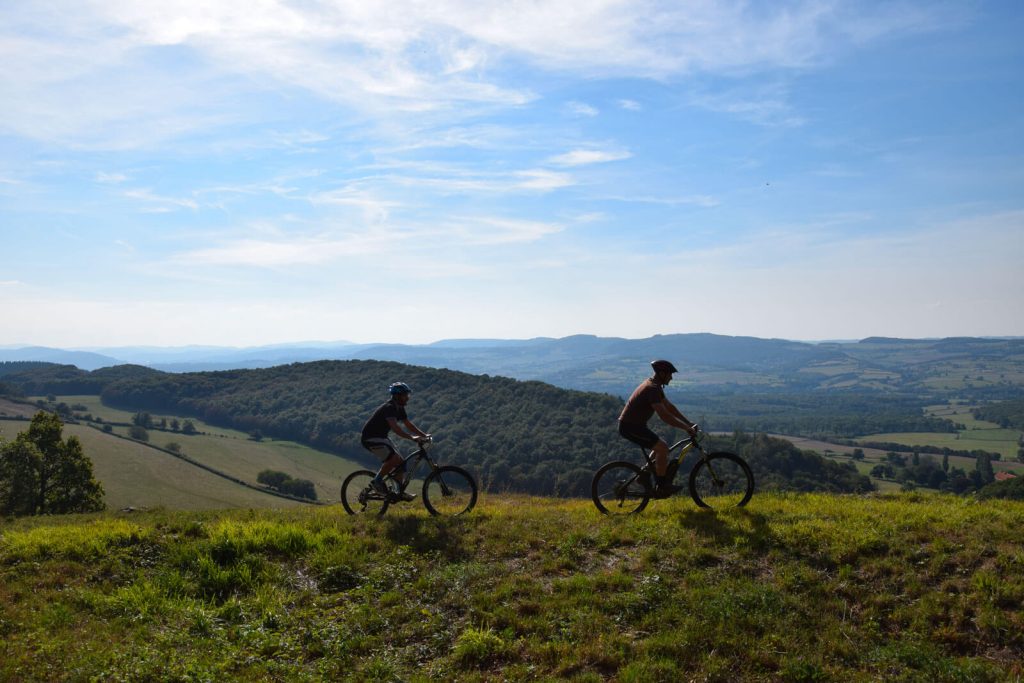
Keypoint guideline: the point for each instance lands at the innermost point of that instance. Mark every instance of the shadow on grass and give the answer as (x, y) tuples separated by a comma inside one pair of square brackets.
[(445, 536), (744, 526)]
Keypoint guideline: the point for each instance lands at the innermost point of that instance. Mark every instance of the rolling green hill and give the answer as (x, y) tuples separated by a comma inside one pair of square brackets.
[(138, 475), (135, 475), (792, 588), (521, 436)]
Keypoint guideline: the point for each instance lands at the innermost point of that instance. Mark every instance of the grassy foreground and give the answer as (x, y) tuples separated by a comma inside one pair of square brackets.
[(795, 588)]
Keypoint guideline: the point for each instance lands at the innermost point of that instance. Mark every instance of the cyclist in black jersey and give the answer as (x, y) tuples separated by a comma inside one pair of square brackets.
[(647, 400), (390, 417)]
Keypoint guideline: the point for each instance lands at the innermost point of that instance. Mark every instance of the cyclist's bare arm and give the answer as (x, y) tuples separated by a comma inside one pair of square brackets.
[(416, 431), (670, 415), (672, 407), (410, 432)]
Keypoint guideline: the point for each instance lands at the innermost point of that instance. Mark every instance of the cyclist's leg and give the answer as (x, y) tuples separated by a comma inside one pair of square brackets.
[(642, 436), (660, 458), (386, 452)]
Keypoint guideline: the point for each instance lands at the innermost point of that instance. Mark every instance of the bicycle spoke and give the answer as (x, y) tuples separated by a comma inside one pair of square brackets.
[(722, 480), (619, 489), (359, 498), (449, 491)]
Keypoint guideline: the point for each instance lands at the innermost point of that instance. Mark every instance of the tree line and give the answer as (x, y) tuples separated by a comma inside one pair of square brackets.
[(1006, 414), (517, 435), (927, 471), (829, 415)]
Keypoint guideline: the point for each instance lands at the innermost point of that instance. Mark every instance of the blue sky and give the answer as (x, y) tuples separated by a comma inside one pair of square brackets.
[(241, 173)]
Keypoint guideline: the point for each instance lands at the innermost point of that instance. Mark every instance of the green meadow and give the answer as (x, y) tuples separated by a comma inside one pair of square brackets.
[(135, 474), (975, 435), (908, 587)]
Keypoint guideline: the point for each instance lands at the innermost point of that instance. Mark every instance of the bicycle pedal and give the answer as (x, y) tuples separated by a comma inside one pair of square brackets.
[(667, 491)]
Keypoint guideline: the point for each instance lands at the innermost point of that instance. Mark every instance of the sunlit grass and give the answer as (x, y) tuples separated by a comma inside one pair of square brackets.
[(793, 587)]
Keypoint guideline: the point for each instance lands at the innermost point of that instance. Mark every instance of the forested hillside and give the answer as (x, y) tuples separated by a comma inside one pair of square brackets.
[(1003, 413), (826, 390), (521, 436)]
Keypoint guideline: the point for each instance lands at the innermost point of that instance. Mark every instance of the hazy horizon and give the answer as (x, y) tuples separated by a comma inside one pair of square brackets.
[(317, 343), (230, 174)]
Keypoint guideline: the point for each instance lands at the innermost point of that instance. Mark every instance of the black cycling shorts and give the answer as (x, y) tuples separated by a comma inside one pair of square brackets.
[(638, 434), (383, 448)]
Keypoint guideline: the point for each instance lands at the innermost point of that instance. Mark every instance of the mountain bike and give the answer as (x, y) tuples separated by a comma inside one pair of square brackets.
[(447, 490), (717, 480)]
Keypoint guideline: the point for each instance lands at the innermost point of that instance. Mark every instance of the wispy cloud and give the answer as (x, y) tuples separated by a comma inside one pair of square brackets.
[(582, 157), (95, 73), (706, 201), (157, 202), (275, 247), (110, 178), (279, 253), (543, 180), (469, 180), (581, 109), (492, 231), (766, 105)]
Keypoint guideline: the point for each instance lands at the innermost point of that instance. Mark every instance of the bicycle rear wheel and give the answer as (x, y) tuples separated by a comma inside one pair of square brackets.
[(721, 480), (359, 498), (620, 488), (449, 491)]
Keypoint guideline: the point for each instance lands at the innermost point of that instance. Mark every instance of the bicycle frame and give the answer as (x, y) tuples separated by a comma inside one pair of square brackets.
[(420, 454), (688, 444), (718, 479)]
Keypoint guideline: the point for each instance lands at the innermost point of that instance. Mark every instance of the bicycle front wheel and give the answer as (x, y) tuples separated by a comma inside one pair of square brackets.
[(449, 491), (620, 488), (359, 498), (721, 480)]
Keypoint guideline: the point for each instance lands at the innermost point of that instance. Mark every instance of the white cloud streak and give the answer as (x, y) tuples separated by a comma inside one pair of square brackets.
[(94, 72), (582, 157)]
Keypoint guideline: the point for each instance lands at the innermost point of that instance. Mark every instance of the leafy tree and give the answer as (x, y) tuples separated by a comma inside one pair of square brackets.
[(139, 433), (1012, 489), (983, 465), (41, 473), (283, 482), (173, 447), (858, 454), (189, 428), (883, 471), (144, 420), (272, 478), (302, 488), (20, 462), (897, 459)]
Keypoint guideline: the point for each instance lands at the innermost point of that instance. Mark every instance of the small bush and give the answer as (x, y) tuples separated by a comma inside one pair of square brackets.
[(477, 647)]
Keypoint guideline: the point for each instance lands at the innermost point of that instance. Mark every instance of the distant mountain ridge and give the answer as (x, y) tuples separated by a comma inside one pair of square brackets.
[(614, 364)]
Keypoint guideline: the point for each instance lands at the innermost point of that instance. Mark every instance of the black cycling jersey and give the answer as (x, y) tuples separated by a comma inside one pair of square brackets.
[(377, 426)]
